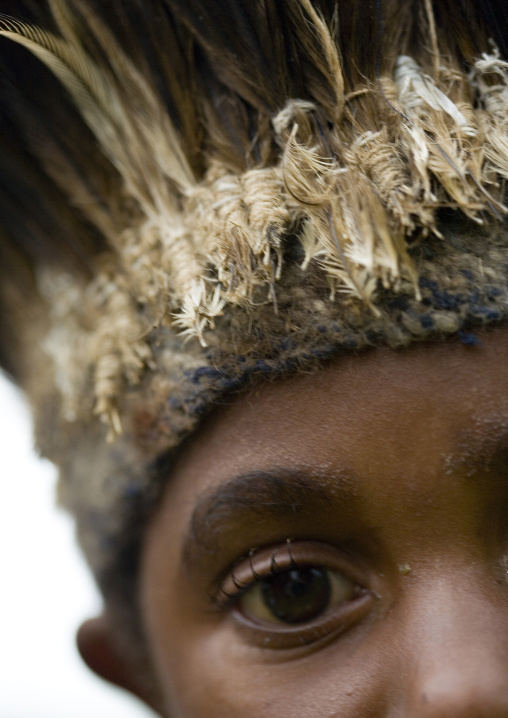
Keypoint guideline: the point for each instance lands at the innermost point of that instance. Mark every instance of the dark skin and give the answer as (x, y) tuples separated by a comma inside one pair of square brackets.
[(336, 544)]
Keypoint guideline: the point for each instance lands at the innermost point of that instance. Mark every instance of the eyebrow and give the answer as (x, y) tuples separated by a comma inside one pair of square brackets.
[(276, 493)]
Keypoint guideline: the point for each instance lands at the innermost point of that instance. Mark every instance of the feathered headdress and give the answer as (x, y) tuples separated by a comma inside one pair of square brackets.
[(196, 194)]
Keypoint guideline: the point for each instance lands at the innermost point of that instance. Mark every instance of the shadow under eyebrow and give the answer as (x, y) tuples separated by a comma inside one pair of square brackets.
[(276, 493)]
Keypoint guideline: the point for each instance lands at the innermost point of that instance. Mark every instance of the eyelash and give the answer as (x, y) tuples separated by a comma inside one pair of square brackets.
[(231, 597)]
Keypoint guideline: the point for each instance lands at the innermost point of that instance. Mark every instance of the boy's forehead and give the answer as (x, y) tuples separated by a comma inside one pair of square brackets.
[(406, 422), (423, 390)]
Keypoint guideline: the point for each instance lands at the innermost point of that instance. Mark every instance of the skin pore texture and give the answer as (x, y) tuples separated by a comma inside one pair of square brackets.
[(381, 483)]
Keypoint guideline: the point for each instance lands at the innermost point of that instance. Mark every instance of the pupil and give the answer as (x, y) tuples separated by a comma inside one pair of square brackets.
[(297, 595)]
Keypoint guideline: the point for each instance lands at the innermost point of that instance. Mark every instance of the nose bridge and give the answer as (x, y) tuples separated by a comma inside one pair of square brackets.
[(458, 642)]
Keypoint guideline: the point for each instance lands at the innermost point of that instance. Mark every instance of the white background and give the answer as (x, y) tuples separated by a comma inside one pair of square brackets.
[(45, 590)]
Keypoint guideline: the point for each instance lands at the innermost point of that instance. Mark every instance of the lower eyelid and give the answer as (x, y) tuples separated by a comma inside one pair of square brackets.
[(310, 636)]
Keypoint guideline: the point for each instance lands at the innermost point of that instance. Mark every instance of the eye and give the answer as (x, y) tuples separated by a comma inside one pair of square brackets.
[(298, 595), (294, 594)]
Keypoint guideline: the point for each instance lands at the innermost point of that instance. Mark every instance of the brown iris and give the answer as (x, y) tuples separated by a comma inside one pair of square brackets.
[(298, 595)]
